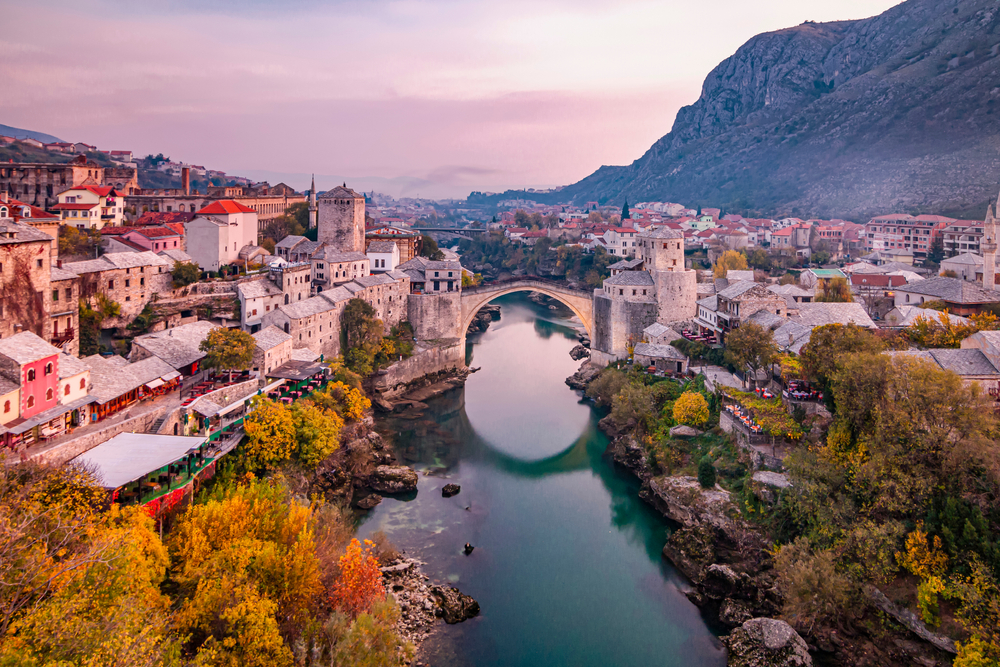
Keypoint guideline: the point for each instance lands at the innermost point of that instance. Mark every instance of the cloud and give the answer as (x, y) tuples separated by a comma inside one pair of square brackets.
[(517, 93)]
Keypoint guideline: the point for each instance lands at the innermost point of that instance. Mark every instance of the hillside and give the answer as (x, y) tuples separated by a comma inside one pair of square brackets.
[(898, 112), (18, 133)]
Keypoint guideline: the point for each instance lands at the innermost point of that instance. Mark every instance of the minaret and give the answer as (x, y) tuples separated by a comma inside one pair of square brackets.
[(989, 250), (312, 204)]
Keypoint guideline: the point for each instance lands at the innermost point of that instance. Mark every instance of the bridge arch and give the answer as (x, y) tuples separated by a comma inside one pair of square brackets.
[(579, 301)]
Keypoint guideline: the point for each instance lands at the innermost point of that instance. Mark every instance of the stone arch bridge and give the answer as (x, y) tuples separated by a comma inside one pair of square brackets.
[(581, 302)]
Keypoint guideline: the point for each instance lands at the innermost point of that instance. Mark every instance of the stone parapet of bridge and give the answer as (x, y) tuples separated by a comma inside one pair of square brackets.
[(579, 301)]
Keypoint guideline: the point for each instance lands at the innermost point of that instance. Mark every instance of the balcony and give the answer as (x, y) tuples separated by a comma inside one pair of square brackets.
[(60, 338)]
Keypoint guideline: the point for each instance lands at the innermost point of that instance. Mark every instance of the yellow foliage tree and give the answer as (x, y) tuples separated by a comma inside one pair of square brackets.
[(691, 409), (349, 402), (270, 429), (317, 432), (360, 584), (730, 260)]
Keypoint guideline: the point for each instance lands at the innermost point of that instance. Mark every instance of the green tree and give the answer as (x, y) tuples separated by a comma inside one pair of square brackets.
[(362, 336), (706, 473), (626, 214), (228, 349), (935, 253), (750, 346), (185, 273), (429, 249), (828, 343)]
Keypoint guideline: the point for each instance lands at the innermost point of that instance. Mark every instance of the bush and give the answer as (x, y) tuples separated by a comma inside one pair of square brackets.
[(606, 386), (691, 409), (706, 473)]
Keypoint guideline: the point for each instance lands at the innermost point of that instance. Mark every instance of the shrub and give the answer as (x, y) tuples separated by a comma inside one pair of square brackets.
[(691, 409), (706, 473)]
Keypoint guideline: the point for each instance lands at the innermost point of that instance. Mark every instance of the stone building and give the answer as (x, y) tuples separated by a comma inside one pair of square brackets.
[(662, 253), (39, 184), (265, 201), (727, 310), (65, 310), (131, 279), (296, 248), (219, 232), (25, 281), (383, 255), (624, 306), (273, 348), (284, 284), (27, 214), (332, 267), (123, 179), (341, 219)]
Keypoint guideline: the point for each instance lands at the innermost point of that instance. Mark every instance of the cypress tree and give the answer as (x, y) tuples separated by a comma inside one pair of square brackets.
[(625, 212)]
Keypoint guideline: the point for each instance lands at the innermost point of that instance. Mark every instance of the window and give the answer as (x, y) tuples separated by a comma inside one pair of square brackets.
[(127, 282), (69, 293), (55, 295), (31, 375), (111, 284), (38, 263), (83, 383), (66, 390), (48, 368), (6, 406), (142, 281), (49, 394), (31, 401)]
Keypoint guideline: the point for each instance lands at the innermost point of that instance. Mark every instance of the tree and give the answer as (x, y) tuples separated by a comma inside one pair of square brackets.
[(834, 290), (626, 214), (228, 349), (706, 473), (362, 336), (730, 260), (935, 253), (270, 429), (360, 584), (317, 432), (750, 346), (691, 409), (185, 273), (829, 343), (429, 249)]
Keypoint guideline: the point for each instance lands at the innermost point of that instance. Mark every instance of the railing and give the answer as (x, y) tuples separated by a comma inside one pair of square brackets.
[(544, 282), (59, 338)]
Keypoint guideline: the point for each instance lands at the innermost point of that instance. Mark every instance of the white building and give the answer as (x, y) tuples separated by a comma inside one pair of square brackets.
[(383, 255), (215, 237)]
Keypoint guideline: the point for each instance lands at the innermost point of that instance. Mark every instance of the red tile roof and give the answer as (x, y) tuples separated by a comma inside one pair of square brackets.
[(155, 232), (75, 207), (99, 190), (35, 212), (163, 217), (225, 207)]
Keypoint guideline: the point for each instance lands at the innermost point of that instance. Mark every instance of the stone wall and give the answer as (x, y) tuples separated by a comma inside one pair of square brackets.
[(436, 316), (677, 294), (341, 223), (425, 360)]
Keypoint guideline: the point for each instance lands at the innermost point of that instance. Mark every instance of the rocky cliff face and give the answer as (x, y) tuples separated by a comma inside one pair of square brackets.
[(899, 112)]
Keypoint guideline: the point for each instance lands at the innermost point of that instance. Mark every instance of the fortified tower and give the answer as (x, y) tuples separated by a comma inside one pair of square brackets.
[(341, 219), (989, 248), (662, 253), (312, 203)]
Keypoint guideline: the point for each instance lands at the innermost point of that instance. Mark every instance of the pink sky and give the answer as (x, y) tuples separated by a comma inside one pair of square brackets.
[(438, 97)]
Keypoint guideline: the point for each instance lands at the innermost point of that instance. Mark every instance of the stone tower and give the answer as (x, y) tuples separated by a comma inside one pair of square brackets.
[(662, 253), (989, 249), (341, 219), (312, 203)]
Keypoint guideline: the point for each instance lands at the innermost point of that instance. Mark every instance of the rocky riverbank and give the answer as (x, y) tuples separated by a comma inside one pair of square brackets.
[(411, 401), (728, 561), (482, 320)]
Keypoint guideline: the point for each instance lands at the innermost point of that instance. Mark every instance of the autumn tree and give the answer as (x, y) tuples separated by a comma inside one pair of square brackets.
[(228, 349), (317, 432), (691, 409), (360, 583), (270, 430), (730, 260), (750, 346), (829, 343), (834, 290)]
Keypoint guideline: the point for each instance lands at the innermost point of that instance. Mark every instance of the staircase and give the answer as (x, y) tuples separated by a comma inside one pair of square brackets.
[(155, 428)]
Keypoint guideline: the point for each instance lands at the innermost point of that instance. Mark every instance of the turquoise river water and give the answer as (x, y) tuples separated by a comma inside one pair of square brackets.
[(567, 566)]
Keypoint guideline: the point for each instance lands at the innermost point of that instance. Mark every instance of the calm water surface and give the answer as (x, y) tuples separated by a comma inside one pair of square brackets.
[(567, 566)]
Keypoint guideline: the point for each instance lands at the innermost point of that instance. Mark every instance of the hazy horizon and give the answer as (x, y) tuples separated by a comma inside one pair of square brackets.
[(426, 98)]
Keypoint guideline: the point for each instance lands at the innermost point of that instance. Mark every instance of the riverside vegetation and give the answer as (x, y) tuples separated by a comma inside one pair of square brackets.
[(260, 569), (892, 496)]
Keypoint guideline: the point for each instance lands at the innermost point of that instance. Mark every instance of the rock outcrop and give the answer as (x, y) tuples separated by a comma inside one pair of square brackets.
[(455, 605), (449, 490), (579, 352), (767, 642), (393, 479), (583, 376)]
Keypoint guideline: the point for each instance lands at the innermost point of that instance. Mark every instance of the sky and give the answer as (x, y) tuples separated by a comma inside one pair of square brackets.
[(428, 98)]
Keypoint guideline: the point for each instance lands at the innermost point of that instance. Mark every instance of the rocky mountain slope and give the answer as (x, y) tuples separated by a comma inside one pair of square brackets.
[(899, 112)]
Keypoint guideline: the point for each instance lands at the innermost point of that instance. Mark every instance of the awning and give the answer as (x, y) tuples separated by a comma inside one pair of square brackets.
[(170, 376), (155, 383), (49, 415)]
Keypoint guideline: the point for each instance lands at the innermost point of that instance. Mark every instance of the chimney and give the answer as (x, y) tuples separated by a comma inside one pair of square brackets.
[(58, 263), (186, 180)]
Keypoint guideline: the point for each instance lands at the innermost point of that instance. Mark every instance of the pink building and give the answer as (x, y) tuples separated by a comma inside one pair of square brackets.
[(34, 364)]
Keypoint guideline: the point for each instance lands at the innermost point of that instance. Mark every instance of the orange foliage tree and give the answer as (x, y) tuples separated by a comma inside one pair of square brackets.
[(360, 584)]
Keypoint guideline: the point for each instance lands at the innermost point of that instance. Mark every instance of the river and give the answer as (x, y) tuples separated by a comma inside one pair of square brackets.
[(567, 566)]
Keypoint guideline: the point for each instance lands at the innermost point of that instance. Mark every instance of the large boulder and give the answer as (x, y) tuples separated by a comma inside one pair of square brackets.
[(579, 352), (393, 479), (583, 377), (455, 605), (684, 500), (767, 484), (449, 490), (767, 642)]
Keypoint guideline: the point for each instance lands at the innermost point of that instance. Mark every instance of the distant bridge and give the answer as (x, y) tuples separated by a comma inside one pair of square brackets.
[(581, 302), (467, 232)]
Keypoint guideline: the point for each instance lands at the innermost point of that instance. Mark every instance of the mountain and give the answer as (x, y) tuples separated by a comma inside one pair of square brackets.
[(18, 133), (899, 112)]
